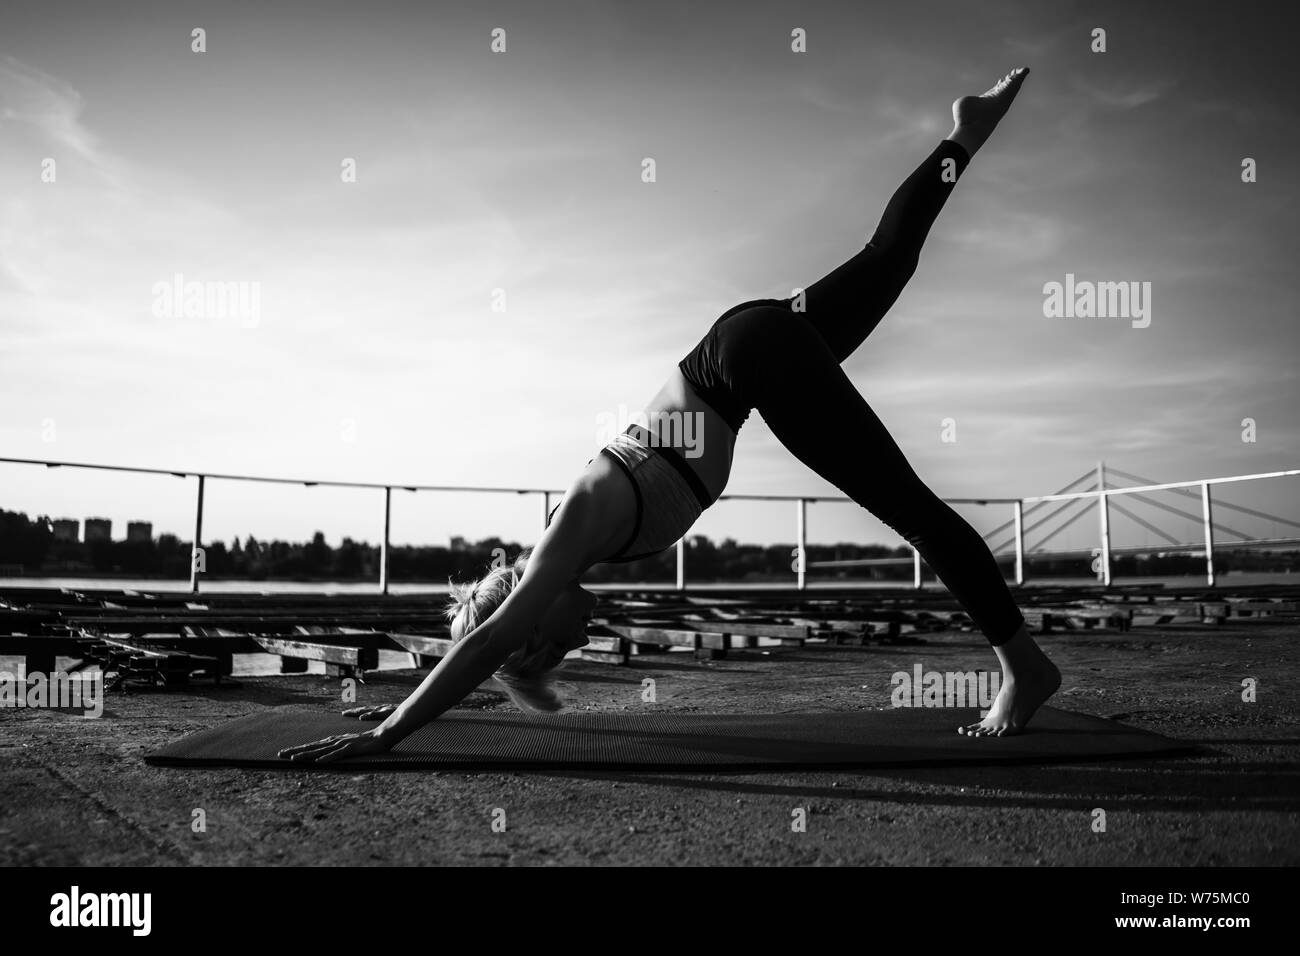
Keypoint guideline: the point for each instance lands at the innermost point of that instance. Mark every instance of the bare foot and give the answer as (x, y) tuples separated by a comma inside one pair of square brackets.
[(1016, 703), (975, 117), (1029, 679)]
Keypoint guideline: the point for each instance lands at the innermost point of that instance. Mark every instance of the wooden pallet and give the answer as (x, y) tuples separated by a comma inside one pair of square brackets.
[(346, 632)]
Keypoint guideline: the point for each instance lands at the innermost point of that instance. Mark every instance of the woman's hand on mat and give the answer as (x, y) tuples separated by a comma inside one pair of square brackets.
[(371, 713), (337, 747)]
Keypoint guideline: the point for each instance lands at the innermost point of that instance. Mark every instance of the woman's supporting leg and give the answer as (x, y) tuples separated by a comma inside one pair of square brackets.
[(809, 403), (795, 381)]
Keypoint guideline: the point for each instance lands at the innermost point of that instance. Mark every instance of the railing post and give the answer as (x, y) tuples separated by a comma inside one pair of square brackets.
[(1207, 514), (801, 536), (681, 564), (546, 510), (916, 569), (1020, 541), (1103, 508), (383, 549), (1104, 571), (198, 540)]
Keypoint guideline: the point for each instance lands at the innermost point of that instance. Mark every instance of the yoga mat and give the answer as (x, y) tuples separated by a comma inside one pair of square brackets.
[(901, 737)]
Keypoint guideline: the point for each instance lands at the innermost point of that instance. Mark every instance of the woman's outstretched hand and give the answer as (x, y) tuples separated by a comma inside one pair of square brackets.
[(371, 713), (337, 747)]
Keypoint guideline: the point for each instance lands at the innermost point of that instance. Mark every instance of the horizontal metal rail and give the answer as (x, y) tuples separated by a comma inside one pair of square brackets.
[(1078, 552), (328, 483), (799, 565), (1171, 484)]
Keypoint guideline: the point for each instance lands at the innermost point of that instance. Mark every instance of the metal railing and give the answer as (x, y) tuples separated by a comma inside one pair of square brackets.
[(801, 503), (1104, 494)]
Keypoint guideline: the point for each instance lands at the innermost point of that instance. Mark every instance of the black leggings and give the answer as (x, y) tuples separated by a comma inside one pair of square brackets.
[(767, 355)]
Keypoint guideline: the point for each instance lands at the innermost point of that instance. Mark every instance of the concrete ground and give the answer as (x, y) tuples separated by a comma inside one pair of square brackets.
[(76, 791)]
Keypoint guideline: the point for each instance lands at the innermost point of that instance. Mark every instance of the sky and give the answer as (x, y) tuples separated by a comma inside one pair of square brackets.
[(377, 355)]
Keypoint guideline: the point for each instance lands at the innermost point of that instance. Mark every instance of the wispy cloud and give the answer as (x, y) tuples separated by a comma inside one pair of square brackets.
[(34, 98), (1123, 93), (523, 172)]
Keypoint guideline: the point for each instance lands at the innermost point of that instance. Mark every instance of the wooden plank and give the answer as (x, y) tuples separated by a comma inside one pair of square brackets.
[(837, 636), (262, 620), (751, 629), (597, 642), (638, 649), (423, 644), (360, 658), (1081, 612), (217, 646), (618, 656), (746, 629), (1255, 604), (158, 653), (439, 647), (680, 637)]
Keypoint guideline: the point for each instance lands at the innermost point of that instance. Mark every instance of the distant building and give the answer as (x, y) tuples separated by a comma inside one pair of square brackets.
[(67, 529), (99, 529), (458, 543), (139, 531)]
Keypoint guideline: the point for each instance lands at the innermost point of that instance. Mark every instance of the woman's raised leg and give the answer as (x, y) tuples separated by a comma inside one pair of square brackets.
[(849, 302)]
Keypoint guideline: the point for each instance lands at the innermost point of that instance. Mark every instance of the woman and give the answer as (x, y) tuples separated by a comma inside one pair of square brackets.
[(641, 494)]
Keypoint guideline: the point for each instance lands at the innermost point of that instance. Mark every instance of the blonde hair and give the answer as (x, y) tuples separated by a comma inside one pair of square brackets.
[(525, 675)]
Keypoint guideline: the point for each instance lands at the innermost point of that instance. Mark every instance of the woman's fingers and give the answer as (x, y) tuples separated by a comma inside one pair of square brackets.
[(332, 748), (370, 712), (315, 745), (349, 747), (325, 756), (299, 748), (308, 754), (336, 752)]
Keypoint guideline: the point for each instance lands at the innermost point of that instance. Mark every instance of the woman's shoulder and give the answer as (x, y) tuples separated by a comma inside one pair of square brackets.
[(596, 513), (602, 492)]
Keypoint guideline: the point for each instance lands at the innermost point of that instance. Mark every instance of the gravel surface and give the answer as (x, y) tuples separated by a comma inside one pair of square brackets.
[(76, 791)]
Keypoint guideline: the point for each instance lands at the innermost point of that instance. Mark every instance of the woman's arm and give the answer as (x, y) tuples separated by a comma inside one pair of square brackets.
[(580, 529), (471, 661)]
